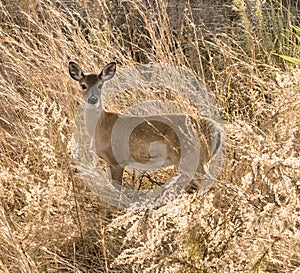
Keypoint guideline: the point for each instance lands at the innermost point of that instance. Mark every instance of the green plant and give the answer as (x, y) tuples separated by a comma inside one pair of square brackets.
[(295, 43)]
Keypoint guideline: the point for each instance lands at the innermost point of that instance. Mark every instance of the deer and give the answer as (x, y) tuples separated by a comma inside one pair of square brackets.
[(153, 141)]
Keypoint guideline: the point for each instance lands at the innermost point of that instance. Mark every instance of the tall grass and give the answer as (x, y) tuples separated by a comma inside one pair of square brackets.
[(51, 222)]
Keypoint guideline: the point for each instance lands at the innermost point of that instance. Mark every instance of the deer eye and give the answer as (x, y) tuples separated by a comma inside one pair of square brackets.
[(83, 86)]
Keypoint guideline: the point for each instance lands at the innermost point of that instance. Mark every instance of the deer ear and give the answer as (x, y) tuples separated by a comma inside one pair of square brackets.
[(75, 71), (108, 71)]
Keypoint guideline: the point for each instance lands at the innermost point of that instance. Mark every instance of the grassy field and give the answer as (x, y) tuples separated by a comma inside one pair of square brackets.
[(249, 221)]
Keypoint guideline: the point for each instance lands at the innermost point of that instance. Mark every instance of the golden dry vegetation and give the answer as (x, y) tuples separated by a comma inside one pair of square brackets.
[(249, 221)]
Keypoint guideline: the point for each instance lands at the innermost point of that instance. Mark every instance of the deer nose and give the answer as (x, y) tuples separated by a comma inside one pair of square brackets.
[(92, 100)]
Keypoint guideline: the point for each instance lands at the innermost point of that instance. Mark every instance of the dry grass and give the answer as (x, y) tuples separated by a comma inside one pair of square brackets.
[(50, 221)]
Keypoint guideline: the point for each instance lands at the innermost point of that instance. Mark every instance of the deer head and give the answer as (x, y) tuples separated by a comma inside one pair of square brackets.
[(91, 84)]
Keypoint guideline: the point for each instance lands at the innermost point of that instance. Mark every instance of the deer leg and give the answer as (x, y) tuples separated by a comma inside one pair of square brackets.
[(116, 172)]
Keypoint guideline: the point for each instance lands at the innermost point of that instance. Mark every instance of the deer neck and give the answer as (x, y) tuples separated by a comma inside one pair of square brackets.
[(91, 116), (100, 116)]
